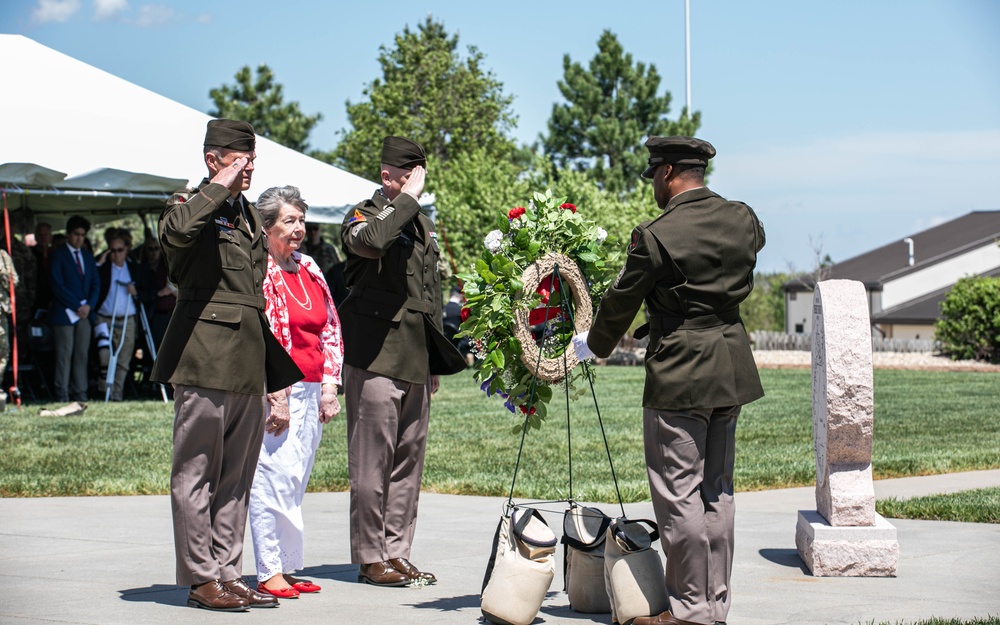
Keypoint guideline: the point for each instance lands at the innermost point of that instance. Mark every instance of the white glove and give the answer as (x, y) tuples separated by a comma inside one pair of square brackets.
[(583, 351)]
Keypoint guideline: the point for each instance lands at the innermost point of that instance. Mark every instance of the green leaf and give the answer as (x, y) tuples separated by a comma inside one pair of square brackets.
[(522, 238), (543, 393), (503, 224)]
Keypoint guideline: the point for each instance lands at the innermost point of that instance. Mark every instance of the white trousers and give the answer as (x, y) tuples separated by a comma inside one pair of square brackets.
[(280, 484)]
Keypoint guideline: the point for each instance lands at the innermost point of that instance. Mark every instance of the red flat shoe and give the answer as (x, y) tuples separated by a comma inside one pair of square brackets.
[(282, 593), (302, 585)]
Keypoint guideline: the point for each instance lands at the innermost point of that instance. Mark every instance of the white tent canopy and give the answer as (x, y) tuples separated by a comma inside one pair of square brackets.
[(74, 118)]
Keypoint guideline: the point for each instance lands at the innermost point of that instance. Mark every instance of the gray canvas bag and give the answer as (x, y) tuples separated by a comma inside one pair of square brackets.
[(584, 533), (633, 571)]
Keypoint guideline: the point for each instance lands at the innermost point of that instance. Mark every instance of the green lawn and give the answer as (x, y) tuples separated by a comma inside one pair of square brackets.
[(989, 620), (971, 506), (925, 422)]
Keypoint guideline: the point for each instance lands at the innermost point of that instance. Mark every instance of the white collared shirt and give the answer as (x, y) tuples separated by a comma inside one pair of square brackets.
[(120, 277)]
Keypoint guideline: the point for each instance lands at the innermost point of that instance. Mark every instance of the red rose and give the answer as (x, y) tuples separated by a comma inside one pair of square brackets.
[(524, 409), (568, 206), (515, 212), (464, 314)]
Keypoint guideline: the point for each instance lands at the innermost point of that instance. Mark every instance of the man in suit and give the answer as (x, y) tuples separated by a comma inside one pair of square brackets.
[(394, 350), (692, 266), (75, 287), (220, 355)]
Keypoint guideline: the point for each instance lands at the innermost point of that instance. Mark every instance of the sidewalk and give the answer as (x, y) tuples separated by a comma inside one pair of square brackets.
[(109, 561)]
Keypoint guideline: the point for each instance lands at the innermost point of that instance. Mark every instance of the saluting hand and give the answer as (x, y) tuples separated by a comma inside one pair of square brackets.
[(414, 185), (228, 175)]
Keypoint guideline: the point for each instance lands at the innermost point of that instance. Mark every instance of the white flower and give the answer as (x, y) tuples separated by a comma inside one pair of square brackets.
[(601, 235), (492, 241)]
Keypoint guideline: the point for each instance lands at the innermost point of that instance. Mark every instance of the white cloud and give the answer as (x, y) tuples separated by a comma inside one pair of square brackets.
[(105, 9), (55, 10), (152, 15), (204, 18)]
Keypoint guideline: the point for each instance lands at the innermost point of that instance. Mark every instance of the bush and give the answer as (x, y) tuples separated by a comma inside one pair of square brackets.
[(969, 327)]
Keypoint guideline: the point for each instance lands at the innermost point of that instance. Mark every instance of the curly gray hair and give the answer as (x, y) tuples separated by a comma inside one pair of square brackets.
[(270, 202)]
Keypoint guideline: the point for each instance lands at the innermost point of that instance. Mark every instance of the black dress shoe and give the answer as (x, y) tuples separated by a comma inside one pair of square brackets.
[(215, 596), (382, 574), (255, 599), (406, 567)]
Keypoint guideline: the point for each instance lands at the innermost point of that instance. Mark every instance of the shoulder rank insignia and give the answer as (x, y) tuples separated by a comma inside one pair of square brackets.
[(357, 217)]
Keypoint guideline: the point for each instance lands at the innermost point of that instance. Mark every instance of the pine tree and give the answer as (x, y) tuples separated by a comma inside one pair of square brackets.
[(610, 108), (260, 101)]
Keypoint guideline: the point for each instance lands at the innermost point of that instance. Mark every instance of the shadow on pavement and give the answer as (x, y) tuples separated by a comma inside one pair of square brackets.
[(163, 594), (785, 557)]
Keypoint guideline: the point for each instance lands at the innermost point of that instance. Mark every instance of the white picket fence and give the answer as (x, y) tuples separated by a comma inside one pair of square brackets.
[(770, 341)]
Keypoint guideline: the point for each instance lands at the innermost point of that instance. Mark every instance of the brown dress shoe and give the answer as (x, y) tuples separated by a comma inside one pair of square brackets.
[(381, 574), (405, 567), (214, 596), (664, 618), (256, 599)]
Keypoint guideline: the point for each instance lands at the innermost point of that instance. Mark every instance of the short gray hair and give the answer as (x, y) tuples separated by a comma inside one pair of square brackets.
[(270, 202)]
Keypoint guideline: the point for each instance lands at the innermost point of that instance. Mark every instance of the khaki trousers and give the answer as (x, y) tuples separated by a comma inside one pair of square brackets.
[(217, 437), (72, 345), (689, 459), (386, 441)]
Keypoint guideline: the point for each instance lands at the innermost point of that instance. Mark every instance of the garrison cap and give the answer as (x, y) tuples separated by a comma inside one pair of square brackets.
[(677, 151), (230, 134), (402, 153)]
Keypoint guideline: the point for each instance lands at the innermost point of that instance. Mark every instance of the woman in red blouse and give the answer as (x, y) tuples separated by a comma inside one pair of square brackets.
[(303, 318)]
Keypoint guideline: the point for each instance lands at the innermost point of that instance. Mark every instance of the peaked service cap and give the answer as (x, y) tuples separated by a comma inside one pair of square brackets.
[(676, 151)]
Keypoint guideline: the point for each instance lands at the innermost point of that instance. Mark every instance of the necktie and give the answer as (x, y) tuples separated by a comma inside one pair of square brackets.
[(79, 263)]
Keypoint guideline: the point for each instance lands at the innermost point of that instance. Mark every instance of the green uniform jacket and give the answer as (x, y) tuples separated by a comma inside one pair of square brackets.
[(218, 337), (692, 265), (392, 322)]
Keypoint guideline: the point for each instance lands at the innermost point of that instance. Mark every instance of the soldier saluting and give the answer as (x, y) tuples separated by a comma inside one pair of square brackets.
[(218, 352), (394, 349)]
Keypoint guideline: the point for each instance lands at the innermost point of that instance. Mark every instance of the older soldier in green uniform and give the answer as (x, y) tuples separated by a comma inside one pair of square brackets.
[(692, 266), (217, 353), (394, 349)]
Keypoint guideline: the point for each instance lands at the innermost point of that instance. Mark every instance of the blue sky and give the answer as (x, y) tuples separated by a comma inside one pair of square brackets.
[(846, 125)]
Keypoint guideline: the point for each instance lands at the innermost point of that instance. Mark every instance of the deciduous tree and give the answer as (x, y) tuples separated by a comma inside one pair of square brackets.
[(430, 93)]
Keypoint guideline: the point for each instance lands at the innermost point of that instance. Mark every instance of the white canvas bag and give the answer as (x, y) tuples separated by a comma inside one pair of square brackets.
[(520, 569)]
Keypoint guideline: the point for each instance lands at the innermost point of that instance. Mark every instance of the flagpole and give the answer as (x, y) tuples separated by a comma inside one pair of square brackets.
[(687, 51)]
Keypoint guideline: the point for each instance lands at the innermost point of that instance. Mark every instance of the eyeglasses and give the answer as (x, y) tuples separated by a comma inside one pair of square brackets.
[(117, 250)]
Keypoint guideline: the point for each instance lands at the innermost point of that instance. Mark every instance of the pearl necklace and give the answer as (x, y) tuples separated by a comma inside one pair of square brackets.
[(306, 305)]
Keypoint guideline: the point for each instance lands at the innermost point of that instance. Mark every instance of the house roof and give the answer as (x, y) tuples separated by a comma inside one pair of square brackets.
[(922, 310), (929, 247)]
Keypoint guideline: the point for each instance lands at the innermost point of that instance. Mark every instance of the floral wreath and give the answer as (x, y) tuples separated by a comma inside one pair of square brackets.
[(495, 297)]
